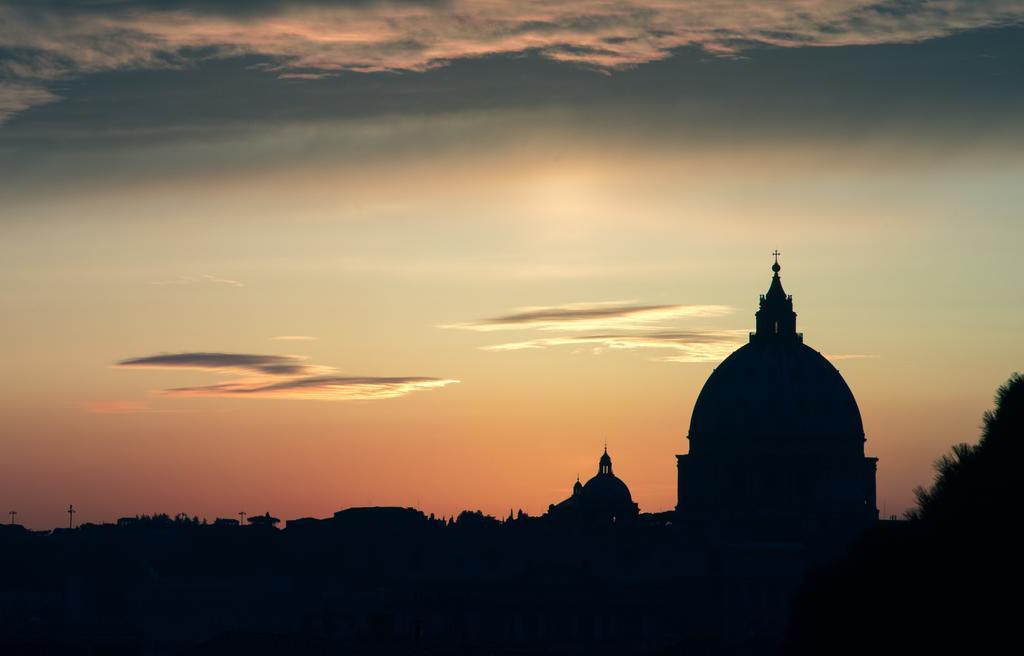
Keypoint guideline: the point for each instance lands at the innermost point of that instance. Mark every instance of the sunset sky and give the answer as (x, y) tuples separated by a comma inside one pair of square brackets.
[(294, 257)]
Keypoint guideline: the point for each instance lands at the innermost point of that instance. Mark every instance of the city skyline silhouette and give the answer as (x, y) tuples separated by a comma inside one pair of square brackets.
[(814, 415), (518, 327)]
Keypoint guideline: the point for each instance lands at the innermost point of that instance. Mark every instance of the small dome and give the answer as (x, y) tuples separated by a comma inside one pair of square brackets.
[(607, 491), (604, 498)]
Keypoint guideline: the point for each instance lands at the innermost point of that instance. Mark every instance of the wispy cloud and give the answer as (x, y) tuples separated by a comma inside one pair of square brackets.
[(55, 39), (688, 345), (17, 97), (850, 356), (194, 280), (281, 376), (593, 316), (331, 388), (274, 365), (636, 327)]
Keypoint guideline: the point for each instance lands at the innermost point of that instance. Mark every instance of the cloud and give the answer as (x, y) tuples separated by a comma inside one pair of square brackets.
[(46, 40), (648, 326), (223, 281), (328, 388), (690, 345), (850, 356), (193, 280), (274, 365), (593, 316), (17, 97), (281, 376), (293, 338)]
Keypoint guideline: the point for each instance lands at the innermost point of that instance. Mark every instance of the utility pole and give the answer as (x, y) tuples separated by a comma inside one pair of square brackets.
[(12, 514), (241, 517), (71, 515)]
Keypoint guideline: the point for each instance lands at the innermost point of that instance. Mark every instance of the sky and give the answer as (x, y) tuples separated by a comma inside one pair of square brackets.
[(295, 257)]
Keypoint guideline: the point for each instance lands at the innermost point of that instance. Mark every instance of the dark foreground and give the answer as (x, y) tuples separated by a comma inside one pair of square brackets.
[(391, 581)]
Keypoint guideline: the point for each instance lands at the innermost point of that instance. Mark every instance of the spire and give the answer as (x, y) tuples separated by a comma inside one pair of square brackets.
[(775, 290), (775, 317)]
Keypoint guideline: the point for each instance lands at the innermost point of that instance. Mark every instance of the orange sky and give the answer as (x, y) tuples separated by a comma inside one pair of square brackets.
[(453, 281), (387, 291)]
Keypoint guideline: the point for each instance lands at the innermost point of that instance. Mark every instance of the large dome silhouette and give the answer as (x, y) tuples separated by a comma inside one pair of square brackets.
[(779, 392), (776, 440)]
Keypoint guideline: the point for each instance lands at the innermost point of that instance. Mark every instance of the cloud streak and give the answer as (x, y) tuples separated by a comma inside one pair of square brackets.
[(275, 365), (592, 316), (325, 388), (280, 376), (47, 40), (617, 326), (18, 97), (193, 280), (688, 345)]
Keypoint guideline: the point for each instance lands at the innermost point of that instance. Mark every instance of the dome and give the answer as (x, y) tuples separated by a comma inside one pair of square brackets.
[(776, 392), (607, 491), (604, 498), (776, 441)]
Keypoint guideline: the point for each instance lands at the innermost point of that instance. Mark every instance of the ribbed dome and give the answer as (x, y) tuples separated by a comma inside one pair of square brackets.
[(774, 394)]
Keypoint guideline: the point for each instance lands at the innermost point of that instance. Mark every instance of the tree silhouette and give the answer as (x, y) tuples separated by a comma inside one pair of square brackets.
[(976, 482), (926, 584)]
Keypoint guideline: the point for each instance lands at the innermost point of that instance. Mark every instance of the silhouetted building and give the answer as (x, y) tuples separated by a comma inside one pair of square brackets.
[(776, 441), (265, 521), (604, 498), (775, 482)]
